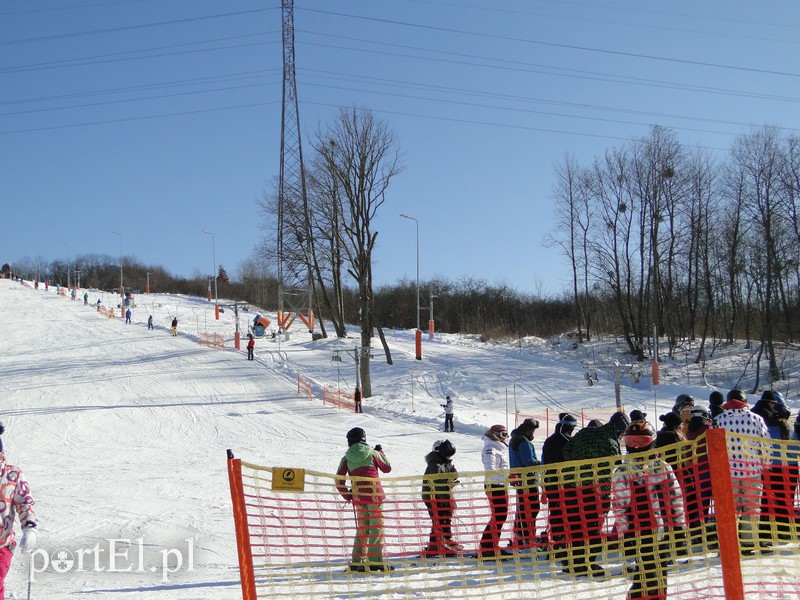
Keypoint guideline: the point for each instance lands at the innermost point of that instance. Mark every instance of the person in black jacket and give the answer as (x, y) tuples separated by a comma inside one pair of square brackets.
[(437, 494), (553, 453)]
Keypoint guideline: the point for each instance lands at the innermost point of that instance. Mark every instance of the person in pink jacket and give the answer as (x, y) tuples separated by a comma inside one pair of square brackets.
[(15, 501), (363, 464)]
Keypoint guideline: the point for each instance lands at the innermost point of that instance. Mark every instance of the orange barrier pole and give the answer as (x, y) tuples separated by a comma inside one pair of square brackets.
[(655, 372), (418, 344), (725, 511), (242, 533)]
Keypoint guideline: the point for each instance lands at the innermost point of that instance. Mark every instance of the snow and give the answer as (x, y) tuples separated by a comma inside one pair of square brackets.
[(122, 431)]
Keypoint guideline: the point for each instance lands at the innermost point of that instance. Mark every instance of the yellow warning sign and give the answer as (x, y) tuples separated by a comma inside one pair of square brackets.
[(288, 480)]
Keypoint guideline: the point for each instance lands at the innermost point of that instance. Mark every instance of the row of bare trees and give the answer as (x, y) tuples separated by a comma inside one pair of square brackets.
[(663, 235), (101, 271)]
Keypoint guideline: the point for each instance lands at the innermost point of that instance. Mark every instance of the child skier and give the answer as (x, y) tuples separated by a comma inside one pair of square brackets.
[(251, 344)]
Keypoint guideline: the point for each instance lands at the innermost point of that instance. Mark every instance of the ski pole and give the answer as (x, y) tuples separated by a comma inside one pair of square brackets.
[(30, 574)]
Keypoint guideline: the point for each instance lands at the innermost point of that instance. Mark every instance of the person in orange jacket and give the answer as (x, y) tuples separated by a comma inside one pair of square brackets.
[(251, 344)]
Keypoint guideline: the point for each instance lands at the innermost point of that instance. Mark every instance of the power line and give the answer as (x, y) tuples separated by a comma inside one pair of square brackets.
[(555, 45), (121, 56), (63, 36)]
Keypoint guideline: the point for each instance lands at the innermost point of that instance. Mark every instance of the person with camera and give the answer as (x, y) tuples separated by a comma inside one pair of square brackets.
[(362, 464)]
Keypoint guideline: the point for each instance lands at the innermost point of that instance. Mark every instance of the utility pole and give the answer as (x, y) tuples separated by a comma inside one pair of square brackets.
[(294, 278)]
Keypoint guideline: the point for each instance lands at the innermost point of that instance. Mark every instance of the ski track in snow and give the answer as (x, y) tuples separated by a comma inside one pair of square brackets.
[(122, 431)]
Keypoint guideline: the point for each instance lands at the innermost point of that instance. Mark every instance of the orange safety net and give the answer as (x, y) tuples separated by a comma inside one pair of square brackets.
[(676, 523)]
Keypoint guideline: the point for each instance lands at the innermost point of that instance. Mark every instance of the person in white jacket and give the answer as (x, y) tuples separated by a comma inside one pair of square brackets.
[(15, 501), (495, 463), (747, 457)]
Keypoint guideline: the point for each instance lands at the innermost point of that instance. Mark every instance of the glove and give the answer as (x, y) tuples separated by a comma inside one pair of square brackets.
[(378, 447), (27, 542)]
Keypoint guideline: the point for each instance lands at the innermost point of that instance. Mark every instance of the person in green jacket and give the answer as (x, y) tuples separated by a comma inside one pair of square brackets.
[(587, 491), (363, 464)]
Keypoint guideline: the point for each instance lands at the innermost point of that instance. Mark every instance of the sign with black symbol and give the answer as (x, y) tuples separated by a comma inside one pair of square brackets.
[(288, 480)]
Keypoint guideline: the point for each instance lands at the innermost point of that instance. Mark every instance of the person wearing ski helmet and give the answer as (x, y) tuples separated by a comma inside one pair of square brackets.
[(15, 501), (683, 407), (671, 433), (552, 454), (362, 464), (646, 498), (715, 402), (587, 496), (437, 494), (495, 463), (522, 458)]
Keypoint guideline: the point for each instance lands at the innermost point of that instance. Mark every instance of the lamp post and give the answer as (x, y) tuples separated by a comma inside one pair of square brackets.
[(147, 288), (214, 258), (418, 336), (121, 282), (66, 245)]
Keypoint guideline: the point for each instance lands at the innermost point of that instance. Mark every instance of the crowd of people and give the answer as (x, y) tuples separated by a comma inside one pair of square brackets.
[(657, 488)]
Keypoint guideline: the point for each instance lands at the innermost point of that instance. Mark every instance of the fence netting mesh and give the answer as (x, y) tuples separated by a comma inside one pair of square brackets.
[(667, 524)]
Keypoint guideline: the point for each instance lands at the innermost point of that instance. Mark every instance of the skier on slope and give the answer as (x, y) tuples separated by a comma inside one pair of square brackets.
[(15, 500), (251, 344), (175, 326), (449, 412)]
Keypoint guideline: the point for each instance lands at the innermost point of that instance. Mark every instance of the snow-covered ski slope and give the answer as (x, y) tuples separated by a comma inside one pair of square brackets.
[(122, 431)]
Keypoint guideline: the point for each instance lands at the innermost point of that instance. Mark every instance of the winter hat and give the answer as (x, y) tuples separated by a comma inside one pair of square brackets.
[(768, 396), (567, 420), (640, 435), (778, 398), (444, 447), (620, 421), (699, 411), (638, 415), (356, 435), (671, 420), (716, 398), (531, 424)]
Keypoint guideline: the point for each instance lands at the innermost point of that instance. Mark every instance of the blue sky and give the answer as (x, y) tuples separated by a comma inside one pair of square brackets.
[(158, 119)]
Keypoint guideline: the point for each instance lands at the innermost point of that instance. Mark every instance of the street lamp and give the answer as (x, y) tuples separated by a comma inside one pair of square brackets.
[(214, 258), (66, 245), (418, 340), (121, 282)]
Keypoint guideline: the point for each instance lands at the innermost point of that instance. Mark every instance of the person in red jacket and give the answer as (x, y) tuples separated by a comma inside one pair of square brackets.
[(362, 464), (251, 344)]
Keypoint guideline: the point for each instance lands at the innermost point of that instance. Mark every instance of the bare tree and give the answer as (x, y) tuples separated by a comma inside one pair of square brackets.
[(362, 156), (572, 235)]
